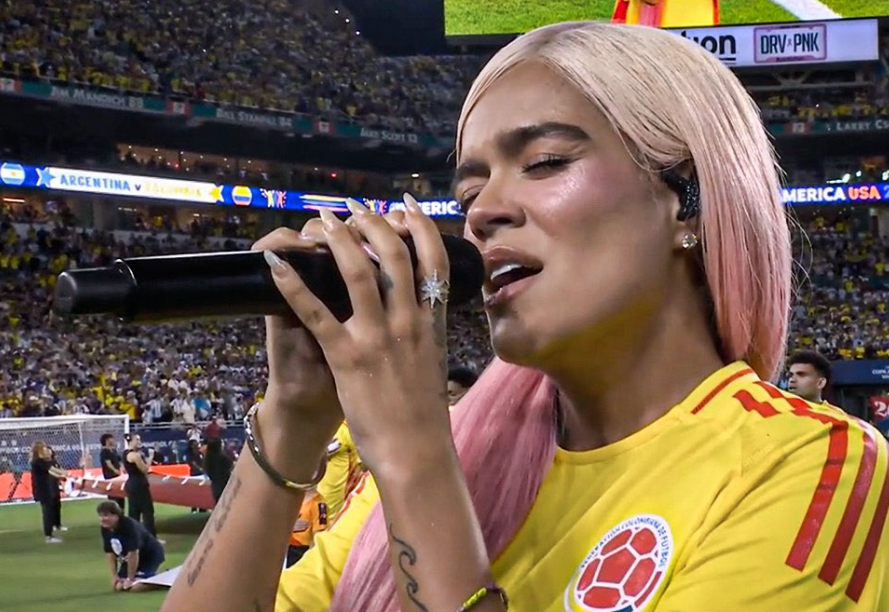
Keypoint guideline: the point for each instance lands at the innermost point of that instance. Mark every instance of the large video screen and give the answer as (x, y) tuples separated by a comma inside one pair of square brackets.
[(492, 17)]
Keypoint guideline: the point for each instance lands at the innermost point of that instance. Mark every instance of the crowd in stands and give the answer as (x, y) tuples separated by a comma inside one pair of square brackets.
[(226, 228), (286, 55), (163, 373), (843, 289), (820, 104), (272, 54)]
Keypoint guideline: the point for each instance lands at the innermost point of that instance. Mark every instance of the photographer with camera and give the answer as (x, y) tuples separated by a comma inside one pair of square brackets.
[(137, 488)]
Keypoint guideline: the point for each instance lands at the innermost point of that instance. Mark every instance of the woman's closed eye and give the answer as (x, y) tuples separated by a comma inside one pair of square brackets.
[(540, 167), (545, 163)]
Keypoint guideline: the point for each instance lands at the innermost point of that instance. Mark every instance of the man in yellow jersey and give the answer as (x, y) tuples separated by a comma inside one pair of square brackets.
[(656, 528), (667, 13), (343, 465), (808, 375)]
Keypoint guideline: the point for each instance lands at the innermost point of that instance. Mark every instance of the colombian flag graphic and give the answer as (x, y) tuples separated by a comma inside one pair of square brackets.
[(242, 196)]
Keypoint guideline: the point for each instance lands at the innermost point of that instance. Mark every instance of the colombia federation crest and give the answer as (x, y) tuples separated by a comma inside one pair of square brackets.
[(624, 569)]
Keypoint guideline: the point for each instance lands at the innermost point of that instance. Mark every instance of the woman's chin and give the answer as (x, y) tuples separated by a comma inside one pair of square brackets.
[(514, 348)]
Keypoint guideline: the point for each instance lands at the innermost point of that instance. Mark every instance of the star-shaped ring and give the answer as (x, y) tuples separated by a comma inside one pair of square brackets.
[(434, 289)]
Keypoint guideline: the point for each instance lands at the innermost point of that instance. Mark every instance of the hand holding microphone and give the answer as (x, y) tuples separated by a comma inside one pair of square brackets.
[(302, 407), (338, 297), (389, 360)]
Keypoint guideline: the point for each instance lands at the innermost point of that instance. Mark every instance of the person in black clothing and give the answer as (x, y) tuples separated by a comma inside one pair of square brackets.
[(132, 551), (57, 495), (195, 459), (45, 485), (110, 460), (218, 467), (137, 466)]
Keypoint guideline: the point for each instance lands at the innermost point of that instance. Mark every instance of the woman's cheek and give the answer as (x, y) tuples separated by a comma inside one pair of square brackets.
[(569, 198)]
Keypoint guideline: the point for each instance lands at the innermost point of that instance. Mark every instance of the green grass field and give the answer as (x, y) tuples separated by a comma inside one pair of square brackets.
[(74, 576), (464, 17)]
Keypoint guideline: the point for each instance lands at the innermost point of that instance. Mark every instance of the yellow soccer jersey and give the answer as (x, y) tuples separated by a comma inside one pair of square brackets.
[(342, 461), (741, 498)]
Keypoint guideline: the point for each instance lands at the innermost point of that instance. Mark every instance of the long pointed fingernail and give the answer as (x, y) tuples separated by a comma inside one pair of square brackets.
[(328, 219), (410, 203), (275, 262), (356, 207)]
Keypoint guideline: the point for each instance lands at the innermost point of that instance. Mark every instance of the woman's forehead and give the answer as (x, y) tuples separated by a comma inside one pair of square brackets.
[(530, 94)]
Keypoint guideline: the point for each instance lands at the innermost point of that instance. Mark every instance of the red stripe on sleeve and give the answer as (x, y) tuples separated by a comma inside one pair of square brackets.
[(871, 543), (821, 499), (720, 387), (715, 12), (843, 539), (837, 448), (751, 404)]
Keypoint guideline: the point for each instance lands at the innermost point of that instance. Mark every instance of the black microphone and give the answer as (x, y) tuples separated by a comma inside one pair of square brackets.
[(230, 284)]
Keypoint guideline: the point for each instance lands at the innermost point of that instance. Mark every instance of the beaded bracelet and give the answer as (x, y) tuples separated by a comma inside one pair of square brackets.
[(483, 592), (282, 481)]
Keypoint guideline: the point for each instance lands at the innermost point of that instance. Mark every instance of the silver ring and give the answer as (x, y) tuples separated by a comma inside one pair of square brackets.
[(434, 290)]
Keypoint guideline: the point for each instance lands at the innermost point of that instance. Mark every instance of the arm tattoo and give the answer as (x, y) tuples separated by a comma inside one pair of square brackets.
[(206, 542), (226, 504), (407, 555), (193, 574)]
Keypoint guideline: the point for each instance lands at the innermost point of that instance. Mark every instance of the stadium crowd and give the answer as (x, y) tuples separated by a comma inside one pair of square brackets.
[(841, 310), (821, 104), (269, 54), (290, 56)]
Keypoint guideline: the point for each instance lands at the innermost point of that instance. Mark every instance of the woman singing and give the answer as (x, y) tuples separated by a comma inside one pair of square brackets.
[(625, 451)]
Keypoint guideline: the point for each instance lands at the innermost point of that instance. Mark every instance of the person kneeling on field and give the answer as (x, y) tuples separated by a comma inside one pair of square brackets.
[(133, 552)]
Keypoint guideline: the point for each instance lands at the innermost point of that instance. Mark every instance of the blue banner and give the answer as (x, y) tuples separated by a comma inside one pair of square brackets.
[(861, 372), (13, 174), (838, 193), (53, 178)]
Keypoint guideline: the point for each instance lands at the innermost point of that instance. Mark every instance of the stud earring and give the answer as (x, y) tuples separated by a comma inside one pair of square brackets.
[(689, 241)]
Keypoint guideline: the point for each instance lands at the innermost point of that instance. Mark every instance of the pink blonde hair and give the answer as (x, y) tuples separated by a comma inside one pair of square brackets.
[(672, 102)]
